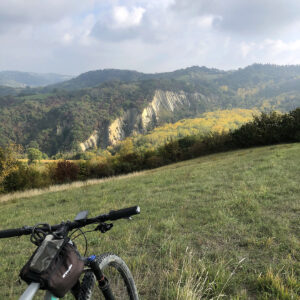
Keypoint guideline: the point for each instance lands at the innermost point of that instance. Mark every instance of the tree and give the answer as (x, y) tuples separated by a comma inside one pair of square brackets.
[(126, 147), (34, 154), (8, 161), (33, 144)]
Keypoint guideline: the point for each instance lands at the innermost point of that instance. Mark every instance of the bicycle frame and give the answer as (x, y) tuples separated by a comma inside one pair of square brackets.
[(62, 231), (32, 290)]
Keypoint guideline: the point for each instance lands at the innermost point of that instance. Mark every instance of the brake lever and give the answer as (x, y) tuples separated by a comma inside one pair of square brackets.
[(103, 227)]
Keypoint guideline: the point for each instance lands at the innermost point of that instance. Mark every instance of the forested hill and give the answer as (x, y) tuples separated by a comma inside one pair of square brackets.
[(108, 105), (93, 78), (16, 79)]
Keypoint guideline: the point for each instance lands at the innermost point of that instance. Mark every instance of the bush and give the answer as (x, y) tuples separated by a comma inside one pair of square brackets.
[(154, 161), (84, 170), (170, 152), (268, 129), (24, 178), (102, 170), (129, 162), (66, 171)]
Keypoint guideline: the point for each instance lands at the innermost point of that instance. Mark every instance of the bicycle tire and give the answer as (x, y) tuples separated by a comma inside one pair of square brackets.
[(119, 276)]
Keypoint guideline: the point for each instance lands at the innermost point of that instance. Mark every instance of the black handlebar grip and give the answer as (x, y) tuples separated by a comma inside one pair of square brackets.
[(123, 213), (12, 232)]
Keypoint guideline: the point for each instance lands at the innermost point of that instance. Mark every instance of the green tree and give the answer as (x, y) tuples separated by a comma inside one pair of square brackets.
[(126, 147), (8, 162), (34, 154), (33, 144)]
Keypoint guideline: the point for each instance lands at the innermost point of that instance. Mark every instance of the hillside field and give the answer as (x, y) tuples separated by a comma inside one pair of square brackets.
[(223, 226)]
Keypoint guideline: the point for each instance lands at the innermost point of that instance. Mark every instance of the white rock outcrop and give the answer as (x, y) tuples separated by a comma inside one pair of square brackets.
[(91, 142), (166, 100), (132, 122), (116, 131)]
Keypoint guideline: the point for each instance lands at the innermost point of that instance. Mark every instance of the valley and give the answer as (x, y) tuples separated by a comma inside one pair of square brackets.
[(100, 108)]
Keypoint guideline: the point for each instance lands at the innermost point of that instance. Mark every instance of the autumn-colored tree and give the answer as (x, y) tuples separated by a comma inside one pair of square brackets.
[(8, 161), (127, 147)]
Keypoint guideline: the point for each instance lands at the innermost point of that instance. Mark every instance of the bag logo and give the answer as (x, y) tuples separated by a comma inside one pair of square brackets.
[(68, 271)]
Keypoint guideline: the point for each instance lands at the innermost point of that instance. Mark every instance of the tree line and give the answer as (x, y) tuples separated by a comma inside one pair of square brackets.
[(265, 129)]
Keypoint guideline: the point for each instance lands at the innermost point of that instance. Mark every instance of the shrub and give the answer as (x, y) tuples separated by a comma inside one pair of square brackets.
[(26, 177), (170, 152), (84, 170), (154, 161), (102, 170), (66, 171), (8, 161)]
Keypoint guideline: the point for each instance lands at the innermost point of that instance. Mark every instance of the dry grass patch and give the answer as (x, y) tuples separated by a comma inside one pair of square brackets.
[(63, 187)]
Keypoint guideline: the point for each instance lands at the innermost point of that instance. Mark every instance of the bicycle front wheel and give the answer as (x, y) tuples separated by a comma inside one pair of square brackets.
[(119, 276)]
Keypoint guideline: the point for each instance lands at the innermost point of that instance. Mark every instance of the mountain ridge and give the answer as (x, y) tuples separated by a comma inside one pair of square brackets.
[(96, 77), (18, 79), (61, 120)]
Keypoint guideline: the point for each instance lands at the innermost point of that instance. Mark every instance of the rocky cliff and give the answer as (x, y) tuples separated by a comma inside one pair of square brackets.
[(91, 142), (134, 121)]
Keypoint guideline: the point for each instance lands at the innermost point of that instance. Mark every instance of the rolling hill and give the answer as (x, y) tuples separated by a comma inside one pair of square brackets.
[(224, 225), (100, 108), (94, 78), (16, 79)]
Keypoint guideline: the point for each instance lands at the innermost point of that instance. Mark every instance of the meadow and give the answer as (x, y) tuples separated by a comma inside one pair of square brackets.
[(223, 226)]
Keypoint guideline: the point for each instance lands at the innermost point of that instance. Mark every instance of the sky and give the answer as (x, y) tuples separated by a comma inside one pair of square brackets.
[(74, 36)]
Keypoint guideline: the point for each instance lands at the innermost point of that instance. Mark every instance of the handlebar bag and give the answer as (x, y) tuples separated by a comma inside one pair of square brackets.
[(55, 264)]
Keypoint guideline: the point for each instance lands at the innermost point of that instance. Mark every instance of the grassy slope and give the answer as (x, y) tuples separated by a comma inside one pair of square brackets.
[(199, 219)]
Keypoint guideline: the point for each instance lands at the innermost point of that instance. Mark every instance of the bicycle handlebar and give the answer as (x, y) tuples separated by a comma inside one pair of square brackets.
[(12, 232), (123, 213), (111, 216)]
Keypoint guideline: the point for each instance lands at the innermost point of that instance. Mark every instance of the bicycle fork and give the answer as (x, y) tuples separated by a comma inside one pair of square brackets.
[(103, 282)]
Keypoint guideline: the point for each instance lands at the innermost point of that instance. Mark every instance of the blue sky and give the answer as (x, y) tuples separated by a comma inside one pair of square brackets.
[(74, 36)]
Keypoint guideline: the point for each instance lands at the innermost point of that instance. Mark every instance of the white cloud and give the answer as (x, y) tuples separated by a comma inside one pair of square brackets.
[(279, 46), (207, 21), (13, 12), (124, 17), (246, 48), (251, 17), (72, 36), (67, 38)]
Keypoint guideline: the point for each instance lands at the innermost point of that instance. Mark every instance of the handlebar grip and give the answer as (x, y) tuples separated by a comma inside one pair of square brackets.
[(13, 232), (123, 213)]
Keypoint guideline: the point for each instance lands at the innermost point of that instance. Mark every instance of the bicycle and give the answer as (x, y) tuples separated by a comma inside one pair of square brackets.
[(114, 278)]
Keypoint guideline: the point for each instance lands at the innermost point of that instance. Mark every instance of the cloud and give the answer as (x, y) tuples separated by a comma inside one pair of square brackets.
[(119, 23), (124, 17), (255, 17), (73, 36), (151, 23), (16, 13)]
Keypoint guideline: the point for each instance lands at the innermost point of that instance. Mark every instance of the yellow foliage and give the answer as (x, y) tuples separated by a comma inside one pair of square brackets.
[(224, 88), (126, 147), (217, 121), (8, 160)]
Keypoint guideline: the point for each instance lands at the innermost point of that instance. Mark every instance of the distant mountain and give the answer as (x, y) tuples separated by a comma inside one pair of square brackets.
[(16, 79), (7, 90), (100, 108), (94, 78)]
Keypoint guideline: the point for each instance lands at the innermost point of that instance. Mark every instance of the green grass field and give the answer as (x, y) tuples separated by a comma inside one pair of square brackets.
[(224, 226)]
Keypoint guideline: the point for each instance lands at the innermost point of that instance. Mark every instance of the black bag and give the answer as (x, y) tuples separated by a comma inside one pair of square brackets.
[(55, 264)]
